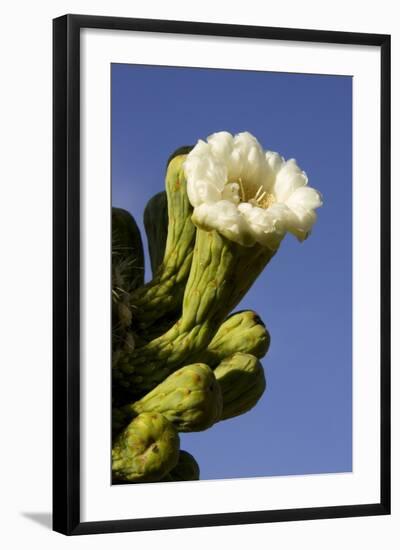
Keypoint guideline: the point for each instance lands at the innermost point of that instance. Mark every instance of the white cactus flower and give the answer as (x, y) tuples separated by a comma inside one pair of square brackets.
[(247, 194)]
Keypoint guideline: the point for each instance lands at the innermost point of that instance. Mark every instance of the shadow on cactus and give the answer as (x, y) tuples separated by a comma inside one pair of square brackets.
[(182, 360)]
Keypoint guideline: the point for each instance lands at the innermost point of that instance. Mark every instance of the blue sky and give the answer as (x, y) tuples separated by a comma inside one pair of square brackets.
[(303, 422)]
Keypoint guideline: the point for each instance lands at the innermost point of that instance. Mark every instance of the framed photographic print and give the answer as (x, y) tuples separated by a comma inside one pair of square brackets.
[(221, 274)]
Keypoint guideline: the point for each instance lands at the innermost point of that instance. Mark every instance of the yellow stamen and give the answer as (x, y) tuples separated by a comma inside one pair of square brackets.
[(256, 197), (243, 195), (267, 201), (262, 198)]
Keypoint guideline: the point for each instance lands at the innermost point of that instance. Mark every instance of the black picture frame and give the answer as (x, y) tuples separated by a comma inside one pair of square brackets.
[(66, 273)]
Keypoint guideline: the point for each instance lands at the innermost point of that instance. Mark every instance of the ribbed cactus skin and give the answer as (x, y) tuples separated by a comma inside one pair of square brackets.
[(127, 249), (242, 381), (190, 399), (222, 271), (127, 274), (163, 295), (155, 219), (187, 469), (243, 331), (146, 450)]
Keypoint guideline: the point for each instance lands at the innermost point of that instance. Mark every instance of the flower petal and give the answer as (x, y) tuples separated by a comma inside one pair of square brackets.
[(268, 226), (231, 193), (274, 160), (221, 144), (204, 191), (248, 162), (306, 197), (302, 222), (225, 218), (288, 179)]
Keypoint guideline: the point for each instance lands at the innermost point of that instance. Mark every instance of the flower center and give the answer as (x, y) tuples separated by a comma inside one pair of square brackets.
[(262, 198)]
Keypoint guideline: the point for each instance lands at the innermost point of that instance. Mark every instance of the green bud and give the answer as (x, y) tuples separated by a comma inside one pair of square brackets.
[(243, 332), (242, 381), (190, 398), (146, 450), (187, 469)]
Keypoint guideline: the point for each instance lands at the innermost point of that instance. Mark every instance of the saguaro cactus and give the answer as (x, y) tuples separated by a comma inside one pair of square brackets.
[(221, 273), (182, 361)]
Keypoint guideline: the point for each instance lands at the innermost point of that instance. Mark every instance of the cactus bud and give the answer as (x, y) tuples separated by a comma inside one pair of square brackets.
[(187, 469), (146, 450), (242, 381), (190, 398), (243, 332)]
